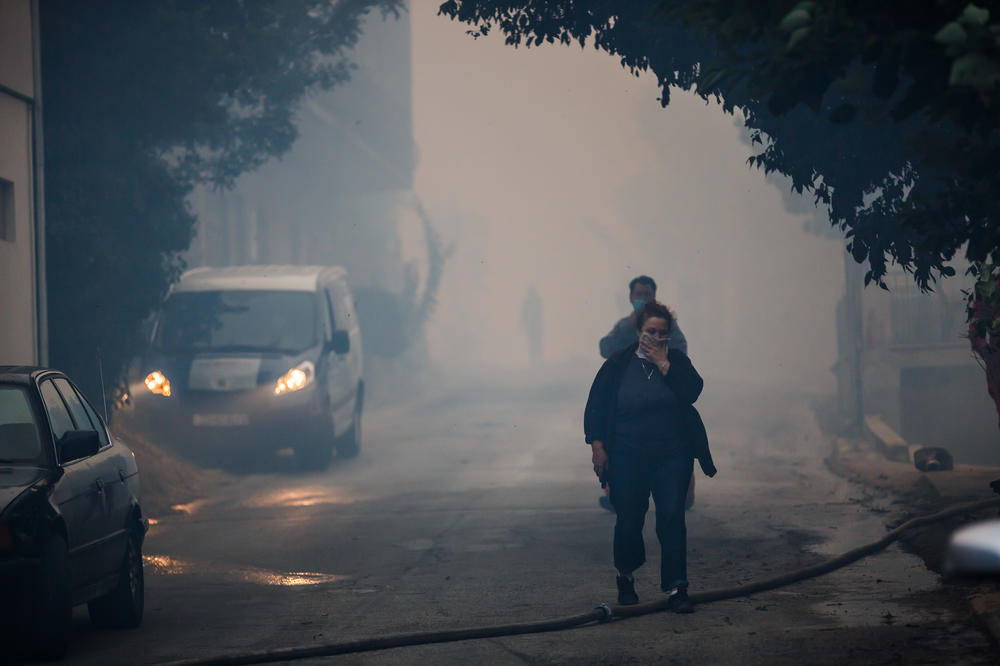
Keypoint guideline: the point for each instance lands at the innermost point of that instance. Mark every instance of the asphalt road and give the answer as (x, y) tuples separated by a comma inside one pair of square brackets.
[(473, 506)]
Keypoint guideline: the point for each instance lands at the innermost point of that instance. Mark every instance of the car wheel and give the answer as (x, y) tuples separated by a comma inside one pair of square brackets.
[(122, 608), (51, 610), (349, 444)]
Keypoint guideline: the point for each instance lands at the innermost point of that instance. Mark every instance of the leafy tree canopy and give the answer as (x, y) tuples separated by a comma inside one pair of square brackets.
[(144, 101), (885, 112)]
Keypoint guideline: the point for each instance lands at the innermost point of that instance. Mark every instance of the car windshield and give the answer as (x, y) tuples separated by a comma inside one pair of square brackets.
[(237, 321), (20, 439)]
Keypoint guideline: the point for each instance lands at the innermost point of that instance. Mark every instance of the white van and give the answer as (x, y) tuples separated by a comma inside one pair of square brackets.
[(254, 359)]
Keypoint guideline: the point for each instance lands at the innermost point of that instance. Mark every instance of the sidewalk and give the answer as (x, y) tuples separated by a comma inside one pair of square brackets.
[(902, 491), (859, 461)]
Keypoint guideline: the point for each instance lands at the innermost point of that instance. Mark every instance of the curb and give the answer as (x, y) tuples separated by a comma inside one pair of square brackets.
[(887, 441), (877, 461)]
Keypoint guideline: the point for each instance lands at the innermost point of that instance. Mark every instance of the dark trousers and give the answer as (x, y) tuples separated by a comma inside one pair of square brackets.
[(633, 477)]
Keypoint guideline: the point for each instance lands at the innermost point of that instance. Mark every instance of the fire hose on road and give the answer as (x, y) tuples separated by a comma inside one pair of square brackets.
[(602, 613)]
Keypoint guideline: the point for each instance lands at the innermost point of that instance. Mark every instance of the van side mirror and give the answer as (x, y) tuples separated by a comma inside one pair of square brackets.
[(339, 343), (77, 444)]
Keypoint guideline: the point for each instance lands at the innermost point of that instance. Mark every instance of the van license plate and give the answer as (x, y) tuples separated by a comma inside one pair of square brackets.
[(221, 419)]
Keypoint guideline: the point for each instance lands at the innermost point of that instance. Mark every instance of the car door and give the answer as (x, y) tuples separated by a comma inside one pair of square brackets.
[(109, 470), (348, 319), (340, 389), (76, 494)]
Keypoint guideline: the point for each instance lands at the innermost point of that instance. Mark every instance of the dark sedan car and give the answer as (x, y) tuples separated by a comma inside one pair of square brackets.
[(71, 528)]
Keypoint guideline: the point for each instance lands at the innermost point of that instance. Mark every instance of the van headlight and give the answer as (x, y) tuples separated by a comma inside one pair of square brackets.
[(296, 379), (158, 383)]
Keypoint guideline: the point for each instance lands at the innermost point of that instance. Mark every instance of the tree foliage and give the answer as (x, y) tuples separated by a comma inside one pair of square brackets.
[(984, 324), (144, 101)]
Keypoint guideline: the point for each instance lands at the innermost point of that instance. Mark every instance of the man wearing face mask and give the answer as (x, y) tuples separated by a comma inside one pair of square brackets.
[(641, 290)]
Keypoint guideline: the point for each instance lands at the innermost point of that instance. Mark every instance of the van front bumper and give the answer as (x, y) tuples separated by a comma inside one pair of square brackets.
[(236, 421)]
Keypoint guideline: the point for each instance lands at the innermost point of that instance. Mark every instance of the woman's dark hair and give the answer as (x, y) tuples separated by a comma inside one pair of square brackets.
[(655, 309)]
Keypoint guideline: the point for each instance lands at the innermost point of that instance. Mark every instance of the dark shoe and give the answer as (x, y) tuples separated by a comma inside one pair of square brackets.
[(679, 602), (626, 591), (605, 503)]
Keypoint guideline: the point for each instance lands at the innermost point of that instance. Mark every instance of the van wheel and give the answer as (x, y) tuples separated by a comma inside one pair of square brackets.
[(51, 611), (122, 607), (349, 444)]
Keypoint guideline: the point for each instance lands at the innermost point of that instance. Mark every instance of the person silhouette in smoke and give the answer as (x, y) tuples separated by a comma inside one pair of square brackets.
[(641, 290)]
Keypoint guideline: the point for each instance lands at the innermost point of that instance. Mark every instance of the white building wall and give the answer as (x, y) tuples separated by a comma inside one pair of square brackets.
[(18, 265)]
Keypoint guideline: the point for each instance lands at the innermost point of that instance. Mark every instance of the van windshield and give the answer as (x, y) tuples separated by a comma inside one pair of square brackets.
[(237, 321)]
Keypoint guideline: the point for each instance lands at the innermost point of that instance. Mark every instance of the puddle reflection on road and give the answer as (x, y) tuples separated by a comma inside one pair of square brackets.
[(304, 496), (190, 508), (170, 566)]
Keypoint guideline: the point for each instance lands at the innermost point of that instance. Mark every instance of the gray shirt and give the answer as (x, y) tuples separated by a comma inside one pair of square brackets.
[(624, 334)]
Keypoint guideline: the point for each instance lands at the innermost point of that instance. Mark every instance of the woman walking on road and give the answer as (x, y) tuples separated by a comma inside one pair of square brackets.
[(645, 433)]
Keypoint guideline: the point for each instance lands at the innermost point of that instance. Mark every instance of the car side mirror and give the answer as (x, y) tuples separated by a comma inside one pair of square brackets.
[(77, 444), (339, 343)]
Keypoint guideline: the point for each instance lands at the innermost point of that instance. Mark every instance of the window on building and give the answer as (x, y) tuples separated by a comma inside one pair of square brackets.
[(6, 210)]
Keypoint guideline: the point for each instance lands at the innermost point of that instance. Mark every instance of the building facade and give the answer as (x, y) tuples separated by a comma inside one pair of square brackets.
[(22, 251), (905, 357)]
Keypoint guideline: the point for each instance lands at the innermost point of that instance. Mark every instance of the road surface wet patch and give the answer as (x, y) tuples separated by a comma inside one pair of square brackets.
[(303, 497), (190, 508), (170, 566)]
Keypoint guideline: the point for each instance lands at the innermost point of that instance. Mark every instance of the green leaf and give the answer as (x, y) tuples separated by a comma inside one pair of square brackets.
[(989, 288), (952, 34), (975, 70), (797, 36), (973, 15), (795, 19)]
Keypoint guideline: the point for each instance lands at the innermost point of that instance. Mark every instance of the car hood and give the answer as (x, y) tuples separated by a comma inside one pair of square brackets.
[(15, 479)]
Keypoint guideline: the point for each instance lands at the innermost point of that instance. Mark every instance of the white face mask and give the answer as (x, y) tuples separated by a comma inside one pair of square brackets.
[(639, 352), (656, 341)]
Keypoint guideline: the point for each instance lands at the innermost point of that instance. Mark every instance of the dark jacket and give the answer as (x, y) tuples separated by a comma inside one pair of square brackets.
[(684, 381)]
